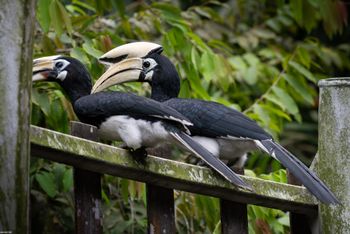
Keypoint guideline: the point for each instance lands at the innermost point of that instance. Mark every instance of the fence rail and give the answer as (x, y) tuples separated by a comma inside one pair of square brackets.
[(162, 175), (105, 159)]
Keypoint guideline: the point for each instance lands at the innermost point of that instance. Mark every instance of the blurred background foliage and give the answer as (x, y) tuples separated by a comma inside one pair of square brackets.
[(263, 58)]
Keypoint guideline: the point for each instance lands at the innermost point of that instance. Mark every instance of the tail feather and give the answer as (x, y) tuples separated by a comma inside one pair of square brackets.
[(210, 159), (308, 178)]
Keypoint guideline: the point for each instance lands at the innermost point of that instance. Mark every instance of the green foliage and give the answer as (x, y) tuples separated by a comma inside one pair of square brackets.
[(261, 57)]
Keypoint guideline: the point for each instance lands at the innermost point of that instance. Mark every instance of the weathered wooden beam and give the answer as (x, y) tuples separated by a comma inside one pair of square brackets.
[(16, 45), (106, 159), (234, 215), (299, 223), (333, 164), (87, 188), (160, 202), (160, 210)]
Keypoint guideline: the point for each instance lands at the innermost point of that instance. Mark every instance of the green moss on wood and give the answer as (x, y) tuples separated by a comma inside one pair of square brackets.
[(16, 21), (156, 169), (334, 152)]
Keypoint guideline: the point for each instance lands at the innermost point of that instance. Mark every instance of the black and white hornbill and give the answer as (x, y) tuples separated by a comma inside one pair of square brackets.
[(225, 132), (138, 121)]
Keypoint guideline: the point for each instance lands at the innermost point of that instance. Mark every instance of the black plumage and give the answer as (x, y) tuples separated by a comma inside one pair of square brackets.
[(212, 119), (138, 121), (223, 131), (96, 108)]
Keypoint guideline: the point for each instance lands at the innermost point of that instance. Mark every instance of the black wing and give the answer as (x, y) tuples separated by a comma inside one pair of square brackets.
[(215, 120), (214, 162), (309, 179), (95, 108)]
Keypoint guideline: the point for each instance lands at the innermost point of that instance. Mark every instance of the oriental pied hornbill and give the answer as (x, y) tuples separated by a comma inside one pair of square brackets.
[(138, 121), (225, 132)]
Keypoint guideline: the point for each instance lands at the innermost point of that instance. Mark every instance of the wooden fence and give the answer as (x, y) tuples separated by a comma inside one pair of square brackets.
[(90, 159)]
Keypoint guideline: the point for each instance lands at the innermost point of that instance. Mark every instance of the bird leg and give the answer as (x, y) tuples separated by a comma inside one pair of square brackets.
[(139, 154)]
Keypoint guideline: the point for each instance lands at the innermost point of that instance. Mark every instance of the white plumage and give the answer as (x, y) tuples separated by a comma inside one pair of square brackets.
[(133, 132)]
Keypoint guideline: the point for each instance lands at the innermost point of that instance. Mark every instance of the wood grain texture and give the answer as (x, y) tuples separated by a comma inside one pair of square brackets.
[(160, 210), (299, 223), (333, 164), (106, 159), (87, 189), (234, 216), (160, 200), (16, 45)]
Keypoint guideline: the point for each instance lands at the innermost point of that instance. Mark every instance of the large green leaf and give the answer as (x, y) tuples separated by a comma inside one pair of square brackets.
[(67, 180), (46, 181), (300, 87), (65, 17), (43, 15), (207, 65), (88, 48), (302, 70), (56, 19), (251, 75), (60, 18), (287, 101)]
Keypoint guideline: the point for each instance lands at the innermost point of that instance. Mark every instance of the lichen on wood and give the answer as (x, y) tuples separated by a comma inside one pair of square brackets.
[(167, 173), (333, 164), (16, 30)]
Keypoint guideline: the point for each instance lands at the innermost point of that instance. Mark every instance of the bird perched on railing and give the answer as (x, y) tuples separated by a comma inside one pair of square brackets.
[(225, 132), (138, 121)]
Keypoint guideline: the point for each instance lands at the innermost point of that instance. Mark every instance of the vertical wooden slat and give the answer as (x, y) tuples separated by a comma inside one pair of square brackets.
[(160, 210), (234, 217), (87, 189), (16, 45), (299, 223), (160, 202)]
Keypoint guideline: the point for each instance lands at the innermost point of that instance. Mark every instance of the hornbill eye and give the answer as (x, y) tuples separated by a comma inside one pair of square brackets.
[(59, 65), (146, 64)]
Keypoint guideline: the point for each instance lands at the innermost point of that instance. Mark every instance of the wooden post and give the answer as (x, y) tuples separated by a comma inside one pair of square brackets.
[(333, 164), (234, 217), (16, 44), (299, 223), (87, 189), (160, 210), (160, 203)]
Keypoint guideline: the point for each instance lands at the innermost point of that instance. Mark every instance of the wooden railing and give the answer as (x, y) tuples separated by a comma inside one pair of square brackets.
[(90, 159)]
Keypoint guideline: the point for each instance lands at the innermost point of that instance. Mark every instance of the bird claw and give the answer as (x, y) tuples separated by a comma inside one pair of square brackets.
[(139, 154)]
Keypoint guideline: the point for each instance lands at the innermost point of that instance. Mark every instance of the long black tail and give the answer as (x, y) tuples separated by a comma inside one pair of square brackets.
[(210, 159), (308, 178)]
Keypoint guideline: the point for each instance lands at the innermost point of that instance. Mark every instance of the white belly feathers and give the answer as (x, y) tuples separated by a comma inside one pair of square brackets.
[(133, 132), (226, 148)]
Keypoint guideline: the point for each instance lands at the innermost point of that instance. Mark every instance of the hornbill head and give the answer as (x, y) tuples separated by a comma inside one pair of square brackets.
[(69, 72), (155, 69), (130, 50)]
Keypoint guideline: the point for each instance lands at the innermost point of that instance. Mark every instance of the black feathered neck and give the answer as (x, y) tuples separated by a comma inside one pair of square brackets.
[(78, 81), (165, 81)]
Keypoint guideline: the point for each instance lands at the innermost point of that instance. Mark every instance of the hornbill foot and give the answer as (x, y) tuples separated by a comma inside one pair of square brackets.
[(139, 154)]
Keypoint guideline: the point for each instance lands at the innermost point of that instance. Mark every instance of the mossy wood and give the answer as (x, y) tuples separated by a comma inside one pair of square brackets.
[(16, 34), (333, 162), (87, 188), (106, 159)]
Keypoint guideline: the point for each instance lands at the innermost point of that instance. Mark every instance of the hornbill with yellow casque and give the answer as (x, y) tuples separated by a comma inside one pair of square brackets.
[(223, 131), (138, 121)]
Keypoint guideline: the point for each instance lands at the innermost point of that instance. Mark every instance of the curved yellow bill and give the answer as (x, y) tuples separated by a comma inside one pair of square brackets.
[(125, 71), (130, 50), (42, 66)]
